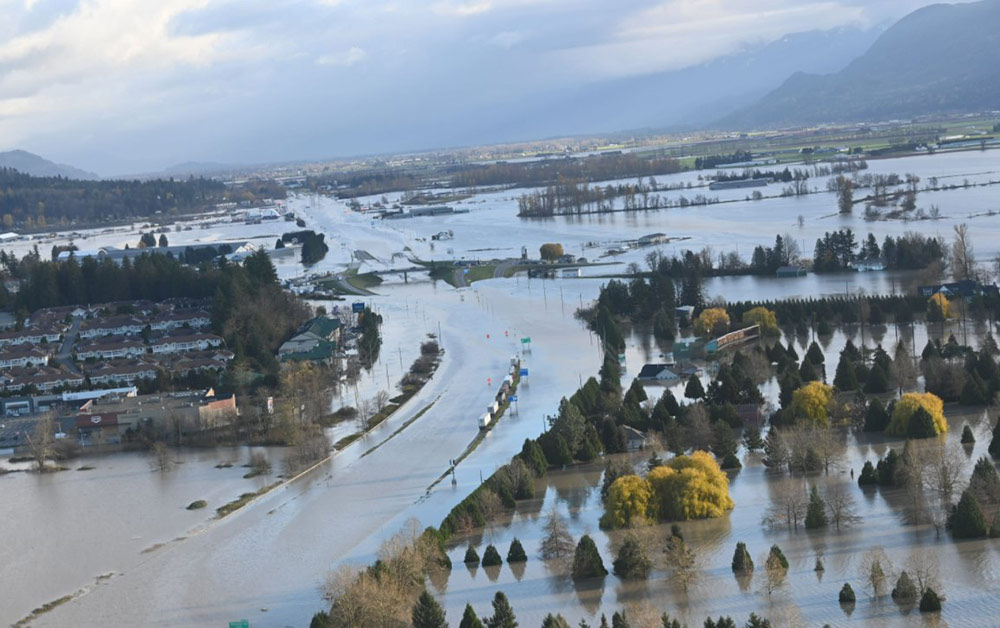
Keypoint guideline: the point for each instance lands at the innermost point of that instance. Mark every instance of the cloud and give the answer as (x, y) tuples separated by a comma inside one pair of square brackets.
[(463, 9), (346, 58), (507, 39)]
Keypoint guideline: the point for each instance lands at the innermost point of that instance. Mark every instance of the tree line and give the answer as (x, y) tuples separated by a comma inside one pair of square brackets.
[(30, 201)]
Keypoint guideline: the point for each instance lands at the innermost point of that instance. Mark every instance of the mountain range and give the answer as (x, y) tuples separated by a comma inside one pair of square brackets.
[(29, 163), (943, 58)]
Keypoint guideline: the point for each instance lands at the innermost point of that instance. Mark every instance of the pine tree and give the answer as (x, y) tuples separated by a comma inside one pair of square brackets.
[(587, 562), (471, 556), (752, 439), (469, 618), (921, 425), (554, 621), (994, 448), (846, 377), (815, 354), (967, 436), (808, 372), (930, 602), (491, 557), (869, 476), (967, 521), (503, 614), (876, 417), (742, 562), (878, 381), (694, 389), (905, 590), (516, 552), (618, 620), (427, 613), (816, 511)]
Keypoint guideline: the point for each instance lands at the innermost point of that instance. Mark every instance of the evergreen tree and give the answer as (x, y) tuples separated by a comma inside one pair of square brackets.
[(807, 372), (994, 448), (694, 389), (905, 590), (632, 561), (776, 455), (847, 594), (846, 377), (471, 556), (469, 618), (921, 425), (967, 436), (491, 557), (814, 354), (878, 381), (752, 439), (815, 511), (742, 562), (779, 556), (967, 521), (587, 561), (503, 614), (869, 476), (876, 417), (427, 613), (973, 392), (757, 622), (930, 602), (554, 621), (516, 552), (618, 620)]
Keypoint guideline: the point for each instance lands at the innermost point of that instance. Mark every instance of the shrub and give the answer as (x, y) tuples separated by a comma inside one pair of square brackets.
[(742, 562), (516, 552), (847, 594), (930, 602), (905, 590), (196, 504), (491, 557), (906, 408), (471, 556), (587, 562)]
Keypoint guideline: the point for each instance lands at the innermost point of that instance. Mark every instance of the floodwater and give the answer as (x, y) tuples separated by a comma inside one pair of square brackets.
[(968, 572), (275, 553)]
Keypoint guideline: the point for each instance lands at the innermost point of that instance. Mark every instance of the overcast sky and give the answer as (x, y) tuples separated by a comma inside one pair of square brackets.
[(127, 86)]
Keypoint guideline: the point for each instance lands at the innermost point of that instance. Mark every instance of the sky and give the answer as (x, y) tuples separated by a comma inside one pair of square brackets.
[(133, 86)]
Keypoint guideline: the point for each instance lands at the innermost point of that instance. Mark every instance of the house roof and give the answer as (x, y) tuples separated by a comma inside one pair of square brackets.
[(322, 326)]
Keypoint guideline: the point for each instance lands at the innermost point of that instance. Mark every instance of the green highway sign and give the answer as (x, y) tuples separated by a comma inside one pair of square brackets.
[(243, 623), (525, 340)]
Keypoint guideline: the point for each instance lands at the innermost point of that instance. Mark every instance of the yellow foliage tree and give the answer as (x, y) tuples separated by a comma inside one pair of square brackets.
[(764, 317), (938, 308), (689, 487), (907, 406), (628, 502), (713, 321), (811, 403)]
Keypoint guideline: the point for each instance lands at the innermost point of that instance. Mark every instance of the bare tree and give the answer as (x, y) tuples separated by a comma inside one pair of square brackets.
[(40, 441), (699, 433), (922, 566), (829, 446), (682, 560), (380, 401), (943, 468), (788, 506), (365, 412), (774, 574), (876, 571), (963, 259), (904, 371), (840, 505), (558, 542), (161, 457)]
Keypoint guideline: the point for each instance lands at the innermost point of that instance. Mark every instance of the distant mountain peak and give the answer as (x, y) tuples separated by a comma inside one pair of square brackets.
[(30, 163), (941, 58)]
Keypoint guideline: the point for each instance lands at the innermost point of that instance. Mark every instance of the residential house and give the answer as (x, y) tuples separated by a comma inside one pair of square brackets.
[(113, 326), (634, 439), (108, 349), (661, 373), (22, 356)]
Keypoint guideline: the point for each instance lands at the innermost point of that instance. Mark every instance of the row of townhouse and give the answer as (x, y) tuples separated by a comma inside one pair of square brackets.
[(178, 319), (184, 343), (43, 379), (112, 326), (22, 356), (31, 335), (130, 371), (111, 349)]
